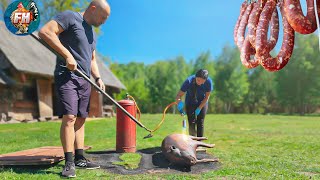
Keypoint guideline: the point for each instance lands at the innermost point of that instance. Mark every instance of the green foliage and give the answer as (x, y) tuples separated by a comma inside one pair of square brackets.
[(3, 5), (164, 79), (129, 160), (299, 82), (231, 79), (262, 92), (157, 83), (153, 86), (134, 78), (50, 8)]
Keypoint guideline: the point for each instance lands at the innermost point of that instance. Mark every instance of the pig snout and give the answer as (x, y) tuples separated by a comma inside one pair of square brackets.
[(188, 158)]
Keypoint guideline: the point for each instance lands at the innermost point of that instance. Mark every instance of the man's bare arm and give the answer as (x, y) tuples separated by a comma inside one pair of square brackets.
[(49, 33)]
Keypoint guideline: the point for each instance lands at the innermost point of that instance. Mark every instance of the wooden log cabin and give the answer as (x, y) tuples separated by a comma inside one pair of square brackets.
[(27, 83)]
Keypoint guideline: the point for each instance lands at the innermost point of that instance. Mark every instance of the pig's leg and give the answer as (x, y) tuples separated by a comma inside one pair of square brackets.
[(199, 143), (201, 150), (198, 138), (208, 160)]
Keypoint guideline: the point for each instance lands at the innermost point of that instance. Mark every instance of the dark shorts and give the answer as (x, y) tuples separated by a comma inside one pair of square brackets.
[(74, 95)]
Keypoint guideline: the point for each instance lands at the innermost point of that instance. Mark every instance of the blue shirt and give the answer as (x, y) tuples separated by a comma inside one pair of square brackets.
[(80, 40), (188, 87)]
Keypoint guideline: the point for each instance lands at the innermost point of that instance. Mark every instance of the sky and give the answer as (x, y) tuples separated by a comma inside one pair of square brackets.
[(151, 30)]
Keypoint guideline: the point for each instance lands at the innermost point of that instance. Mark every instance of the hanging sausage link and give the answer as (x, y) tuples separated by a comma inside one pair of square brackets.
[(242, 11), (266, 60), (242, 26), (300, 23), (249, 43)]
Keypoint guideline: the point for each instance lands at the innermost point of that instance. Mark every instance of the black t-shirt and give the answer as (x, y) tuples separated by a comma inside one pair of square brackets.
[(79, 38)]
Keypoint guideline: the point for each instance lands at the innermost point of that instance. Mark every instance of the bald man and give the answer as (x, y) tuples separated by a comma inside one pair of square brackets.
[(71, 35)]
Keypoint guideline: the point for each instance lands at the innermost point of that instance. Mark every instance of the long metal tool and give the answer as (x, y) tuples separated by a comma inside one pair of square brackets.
[(92, 83)]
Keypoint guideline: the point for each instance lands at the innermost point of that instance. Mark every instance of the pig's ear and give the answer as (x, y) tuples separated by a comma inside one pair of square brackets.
[(175, 151), (171, 149)]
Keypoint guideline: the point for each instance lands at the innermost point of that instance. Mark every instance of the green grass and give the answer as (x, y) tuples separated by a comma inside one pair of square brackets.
[(129, 160), (248, 146)]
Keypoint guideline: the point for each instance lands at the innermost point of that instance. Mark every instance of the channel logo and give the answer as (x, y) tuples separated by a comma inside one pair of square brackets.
[(22, 17)]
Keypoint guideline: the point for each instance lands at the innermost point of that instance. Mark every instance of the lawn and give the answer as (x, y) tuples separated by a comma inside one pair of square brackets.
[(248, 146)]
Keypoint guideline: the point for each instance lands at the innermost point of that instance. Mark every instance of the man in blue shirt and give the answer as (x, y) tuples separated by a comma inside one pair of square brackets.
[(197, 88), (72, 36)]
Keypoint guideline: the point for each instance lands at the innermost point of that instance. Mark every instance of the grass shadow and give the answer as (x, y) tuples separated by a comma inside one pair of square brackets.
[(32, 169), (158, 160), (150, 150), (153, 158)]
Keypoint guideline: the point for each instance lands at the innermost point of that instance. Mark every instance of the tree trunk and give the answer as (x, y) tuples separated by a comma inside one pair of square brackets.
[(227, 107)]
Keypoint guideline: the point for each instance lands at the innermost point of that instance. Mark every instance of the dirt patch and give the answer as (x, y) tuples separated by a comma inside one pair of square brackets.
[(309, 174), (152, 161)]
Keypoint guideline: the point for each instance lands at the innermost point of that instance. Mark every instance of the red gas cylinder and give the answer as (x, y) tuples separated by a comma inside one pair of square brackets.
[(126, 128)]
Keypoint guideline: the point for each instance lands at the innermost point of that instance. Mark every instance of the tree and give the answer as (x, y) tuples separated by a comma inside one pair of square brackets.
[(231, 79), (262, 93), (50, 8), (133, 76), (178, 71), (204, 61), (157, 83), (3, 5), (299, 82)]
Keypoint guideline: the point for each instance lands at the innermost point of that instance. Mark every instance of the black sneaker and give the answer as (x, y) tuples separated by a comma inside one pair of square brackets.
[(69, 170), (85, 163)]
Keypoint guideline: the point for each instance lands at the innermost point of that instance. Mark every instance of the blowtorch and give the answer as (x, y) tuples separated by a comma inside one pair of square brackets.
[(184, 122)]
